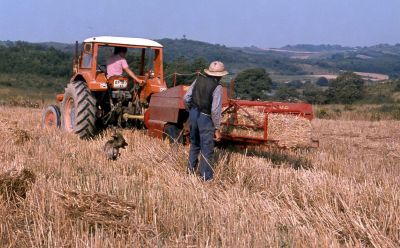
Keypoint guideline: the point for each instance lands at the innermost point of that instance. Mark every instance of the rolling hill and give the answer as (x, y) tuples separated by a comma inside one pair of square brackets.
[(47, 66)]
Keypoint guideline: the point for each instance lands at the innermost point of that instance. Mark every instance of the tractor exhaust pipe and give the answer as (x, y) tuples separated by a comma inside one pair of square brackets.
[(76, 58), (76, 50)]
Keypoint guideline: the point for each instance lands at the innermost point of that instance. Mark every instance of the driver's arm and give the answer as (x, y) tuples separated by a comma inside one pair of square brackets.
[(132, 75)]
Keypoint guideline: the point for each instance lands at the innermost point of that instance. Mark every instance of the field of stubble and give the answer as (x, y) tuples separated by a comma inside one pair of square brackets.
[(346, 193)]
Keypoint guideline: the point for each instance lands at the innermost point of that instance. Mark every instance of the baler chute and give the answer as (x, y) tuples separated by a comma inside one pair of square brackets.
[(285, 125)]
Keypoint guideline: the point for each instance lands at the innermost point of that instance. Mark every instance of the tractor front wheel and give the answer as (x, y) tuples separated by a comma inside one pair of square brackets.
[(79, 110), (51, 117)]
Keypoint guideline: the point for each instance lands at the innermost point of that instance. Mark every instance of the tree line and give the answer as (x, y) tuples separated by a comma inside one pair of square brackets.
[(347, 88), (35, 66)]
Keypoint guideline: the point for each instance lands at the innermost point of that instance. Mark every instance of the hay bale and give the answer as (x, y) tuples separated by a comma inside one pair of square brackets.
[(15, 184), (97, 208), (245, 116), (288, 131)]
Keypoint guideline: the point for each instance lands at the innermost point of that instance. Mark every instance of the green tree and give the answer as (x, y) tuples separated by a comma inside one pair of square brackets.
[(346, 88), (253, 84), (322, 81), (198, 64), (314, 94), (295, 84), (184, 66), (287, 93), (397, 85)]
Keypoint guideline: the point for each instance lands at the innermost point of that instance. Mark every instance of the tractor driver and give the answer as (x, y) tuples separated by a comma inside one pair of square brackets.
[(117, 64)]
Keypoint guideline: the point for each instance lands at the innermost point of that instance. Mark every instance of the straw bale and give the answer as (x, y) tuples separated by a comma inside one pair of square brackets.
[(245, 116), (288, 131)]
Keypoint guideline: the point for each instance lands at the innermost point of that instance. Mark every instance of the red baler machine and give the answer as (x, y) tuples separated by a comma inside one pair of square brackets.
[(167, 112)]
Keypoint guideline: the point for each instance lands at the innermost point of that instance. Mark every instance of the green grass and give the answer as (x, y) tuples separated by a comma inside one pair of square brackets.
[(365, 112), (380, 93), (32, 82)]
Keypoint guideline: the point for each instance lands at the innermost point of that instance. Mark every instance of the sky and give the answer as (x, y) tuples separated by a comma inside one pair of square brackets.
[(262, 23)]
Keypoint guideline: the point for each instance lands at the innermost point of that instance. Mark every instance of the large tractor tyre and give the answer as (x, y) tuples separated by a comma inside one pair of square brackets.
[(51, 117), (79, 110)]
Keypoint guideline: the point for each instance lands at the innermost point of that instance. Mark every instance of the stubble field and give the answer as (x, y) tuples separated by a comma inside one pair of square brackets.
[(345, 193)]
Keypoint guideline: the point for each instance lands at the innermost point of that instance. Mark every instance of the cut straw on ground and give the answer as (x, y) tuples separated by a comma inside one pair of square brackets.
[(343, 194)]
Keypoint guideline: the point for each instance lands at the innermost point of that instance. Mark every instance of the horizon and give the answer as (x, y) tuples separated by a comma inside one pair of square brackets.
[(300, 44), (272, 24)]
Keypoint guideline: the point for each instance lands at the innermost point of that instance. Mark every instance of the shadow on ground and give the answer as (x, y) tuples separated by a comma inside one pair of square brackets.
[(279, 158)]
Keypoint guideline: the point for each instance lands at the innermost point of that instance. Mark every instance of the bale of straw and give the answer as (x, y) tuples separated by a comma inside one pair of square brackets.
[(245, 116), (289, 131), (15, 184), (97, 208)]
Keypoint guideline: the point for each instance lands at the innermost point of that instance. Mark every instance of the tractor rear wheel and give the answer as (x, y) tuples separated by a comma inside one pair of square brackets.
[(79, 110), (51, 117)]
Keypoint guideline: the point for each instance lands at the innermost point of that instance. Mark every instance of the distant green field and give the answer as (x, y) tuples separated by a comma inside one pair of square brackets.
[(32, 82), (288, 78), (29, 90)]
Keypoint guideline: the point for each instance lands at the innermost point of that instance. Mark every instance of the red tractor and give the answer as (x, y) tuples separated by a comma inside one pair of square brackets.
[(91, 101)]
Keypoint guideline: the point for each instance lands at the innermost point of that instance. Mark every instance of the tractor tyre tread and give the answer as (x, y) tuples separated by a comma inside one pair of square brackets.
[(85, 109)]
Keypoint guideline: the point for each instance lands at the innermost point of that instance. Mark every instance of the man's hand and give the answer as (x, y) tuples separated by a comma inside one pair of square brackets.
[(218, 135), (187, 106), (141, 82), (135, 78)]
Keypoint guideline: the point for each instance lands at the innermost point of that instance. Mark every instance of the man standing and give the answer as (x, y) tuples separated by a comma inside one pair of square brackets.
[(204, 102)]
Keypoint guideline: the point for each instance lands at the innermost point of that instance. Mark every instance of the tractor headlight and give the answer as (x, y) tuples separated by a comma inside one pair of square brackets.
[(120, 84)]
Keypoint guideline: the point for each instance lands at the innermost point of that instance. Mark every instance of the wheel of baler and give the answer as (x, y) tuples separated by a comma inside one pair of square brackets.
[(78, 110), (51, 117), (173, 133)]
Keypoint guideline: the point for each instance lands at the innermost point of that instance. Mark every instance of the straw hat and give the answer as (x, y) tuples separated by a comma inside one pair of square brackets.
[(216, 69)]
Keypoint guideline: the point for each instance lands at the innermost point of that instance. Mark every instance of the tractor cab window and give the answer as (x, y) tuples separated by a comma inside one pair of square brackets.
[(104, 53), (140, 60), (150, 60), (87, 55)]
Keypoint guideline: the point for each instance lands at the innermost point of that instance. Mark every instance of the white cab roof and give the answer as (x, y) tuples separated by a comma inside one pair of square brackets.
[(124, 41)]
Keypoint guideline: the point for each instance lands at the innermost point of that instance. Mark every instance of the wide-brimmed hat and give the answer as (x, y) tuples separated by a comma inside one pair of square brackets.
[(216, 69)]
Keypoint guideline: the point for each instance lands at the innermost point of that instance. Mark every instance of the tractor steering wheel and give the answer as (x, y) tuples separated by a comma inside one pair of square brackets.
[(148, 75), (146, 78)]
